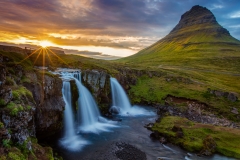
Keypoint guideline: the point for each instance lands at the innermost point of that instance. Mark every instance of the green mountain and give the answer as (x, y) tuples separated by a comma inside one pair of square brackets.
[(197, 41)]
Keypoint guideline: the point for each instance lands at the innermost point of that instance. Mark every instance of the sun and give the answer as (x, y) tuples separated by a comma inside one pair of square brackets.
[(45, 44)]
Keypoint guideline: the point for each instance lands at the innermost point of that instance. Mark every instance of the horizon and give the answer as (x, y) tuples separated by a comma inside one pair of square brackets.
[(101, 29)]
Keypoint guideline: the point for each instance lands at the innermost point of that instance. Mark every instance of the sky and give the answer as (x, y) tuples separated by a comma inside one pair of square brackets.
[(102, 28)]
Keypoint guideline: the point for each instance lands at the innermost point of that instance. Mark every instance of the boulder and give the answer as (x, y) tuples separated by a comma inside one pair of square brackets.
[(114, 110), (232, 97)]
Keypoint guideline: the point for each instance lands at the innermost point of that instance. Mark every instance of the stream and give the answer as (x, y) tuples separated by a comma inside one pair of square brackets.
[(130, 130)]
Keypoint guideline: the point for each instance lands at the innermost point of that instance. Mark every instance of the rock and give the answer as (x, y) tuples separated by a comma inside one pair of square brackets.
[(149, 126), (5, 96), (49, 102), (195, 111), (49, 113), (229, 95), (219, 93), (21, 126), (234, 110), (195, 16), (2, 75), (232, 97), (209, 146), (126, 151), (162, 140), (114, 110), (103, 120), (18, 73), (178, 130), (189, 155)]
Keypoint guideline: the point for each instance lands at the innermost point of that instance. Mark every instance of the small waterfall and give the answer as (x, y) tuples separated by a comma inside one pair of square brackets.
[(119, 97), (68, 115), (121, 104)]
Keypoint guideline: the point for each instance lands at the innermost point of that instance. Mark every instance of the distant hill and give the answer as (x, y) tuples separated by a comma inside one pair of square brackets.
[(197, 41)]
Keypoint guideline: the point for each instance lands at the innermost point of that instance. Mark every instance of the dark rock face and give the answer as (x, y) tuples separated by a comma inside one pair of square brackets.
[(21, 126), (98, 82), (96, 79), (197, 15), (50, 105), (2, 75)]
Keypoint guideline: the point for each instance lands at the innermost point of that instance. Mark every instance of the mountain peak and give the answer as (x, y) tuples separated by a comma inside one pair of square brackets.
[(196, 15)]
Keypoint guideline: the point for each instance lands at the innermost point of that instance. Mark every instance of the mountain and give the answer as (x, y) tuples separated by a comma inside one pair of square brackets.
[(197, 41)]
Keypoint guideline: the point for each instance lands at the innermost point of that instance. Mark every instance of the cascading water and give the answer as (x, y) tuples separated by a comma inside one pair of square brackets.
[(68, 115), (119, 97), (89, 117), (121, 104), (70, 140)]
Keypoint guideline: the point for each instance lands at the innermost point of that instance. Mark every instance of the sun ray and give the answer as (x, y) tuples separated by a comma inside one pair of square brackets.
[(29, 55), (37, 56), (49, 57), (43, 69), (57, 56)]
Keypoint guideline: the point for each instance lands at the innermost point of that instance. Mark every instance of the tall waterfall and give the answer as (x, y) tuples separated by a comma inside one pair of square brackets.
[(70, 140), (120, 101), (68, 115)]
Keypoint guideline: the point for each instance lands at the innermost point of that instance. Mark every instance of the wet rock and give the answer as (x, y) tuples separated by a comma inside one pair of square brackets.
[(114, 110), (149, 126), (162, 140), (155, 135)]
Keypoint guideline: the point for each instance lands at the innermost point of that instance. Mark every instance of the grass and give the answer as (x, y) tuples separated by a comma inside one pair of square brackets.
[(154, 90), (227, 139), (21, 91), (14, 108)]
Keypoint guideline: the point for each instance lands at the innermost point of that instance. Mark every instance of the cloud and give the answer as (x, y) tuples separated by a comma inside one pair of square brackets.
[(235, 15), (103, 23)]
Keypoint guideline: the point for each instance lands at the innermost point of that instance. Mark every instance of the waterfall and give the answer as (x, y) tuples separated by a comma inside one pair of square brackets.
[(70, 140), (119, 97), (88, 114), (120, 102), (68, 115)]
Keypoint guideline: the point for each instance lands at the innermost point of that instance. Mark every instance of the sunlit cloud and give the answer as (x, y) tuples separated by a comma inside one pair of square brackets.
[(113, 27)]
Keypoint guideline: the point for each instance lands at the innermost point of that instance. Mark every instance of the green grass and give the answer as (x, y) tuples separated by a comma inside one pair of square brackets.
[(154, 90), (227, 139), (17, 59), (14, 108), (21, 91)]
